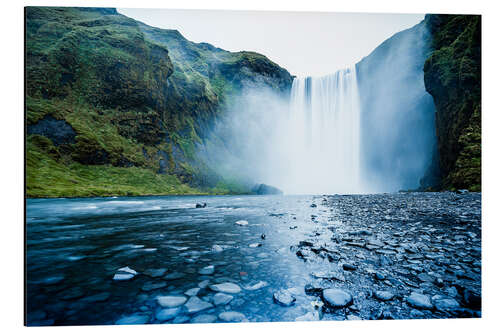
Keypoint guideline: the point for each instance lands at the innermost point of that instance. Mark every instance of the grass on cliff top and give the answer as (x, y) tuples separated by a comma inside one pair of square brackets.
[(47, 178)]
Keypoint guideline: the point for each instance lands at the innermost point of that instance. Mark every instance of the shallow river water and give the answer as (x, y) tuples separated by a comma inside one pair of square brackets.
[(75, 248)]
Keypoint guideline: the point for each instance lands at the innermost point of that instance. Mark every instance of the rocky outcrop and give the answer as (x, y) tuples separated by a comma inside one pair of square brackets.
[(134, 95), (453, 78)]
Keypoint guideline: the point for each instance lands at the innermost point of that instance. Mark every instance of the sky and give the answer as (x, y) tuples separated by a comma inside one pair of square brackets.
[(305, 43)]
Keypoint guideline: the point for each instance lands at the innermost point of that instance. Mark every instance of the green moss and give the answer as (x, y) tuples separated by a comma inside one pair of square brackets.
[(453, 78), (133, 94)]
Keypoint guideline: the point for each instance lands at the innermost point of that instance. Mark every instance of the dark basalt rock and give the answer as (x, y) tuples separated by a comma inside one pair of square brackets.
[(58, 131)]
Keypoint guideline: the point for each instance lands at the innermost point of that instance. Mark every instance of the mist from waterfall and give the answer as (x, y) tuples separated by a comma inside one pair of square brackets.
[(321, 137), (368, 128)]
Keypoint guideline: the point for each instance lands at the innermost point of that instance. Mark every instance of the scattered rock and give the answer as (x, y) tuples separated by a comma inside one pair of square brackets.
[(336, 298), (256, 286), (204, 319), (208, 270), (100, 297), (472, 300), (203, 284), (201, 205), (124, 273), (174, 276), (284, 298), (419, 301), (135, 319), (241, 222), (217, 248), (446, 304), (152, 285), (310, 316), (167, 314), (155, 272), (222, 299), (171, 301), (192, 292), (383, 295), (232, 317), (349, 267), (313, 205), (226, 287), (195, 304)]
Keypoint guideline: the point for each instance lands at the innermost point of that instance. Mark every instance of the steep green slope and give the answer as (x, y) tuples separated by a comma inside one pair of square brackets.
[(453, 78), (110, 112)]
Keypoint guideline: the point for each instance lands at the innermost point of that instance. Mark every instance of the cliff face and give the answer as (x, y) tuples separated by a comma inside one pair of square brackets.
[(453, 78), (397, 128), (115, 107)]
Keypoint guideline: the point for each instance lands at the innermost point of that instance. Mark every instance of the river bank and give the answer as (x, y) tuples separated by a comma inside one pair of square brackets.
[(253, 258)]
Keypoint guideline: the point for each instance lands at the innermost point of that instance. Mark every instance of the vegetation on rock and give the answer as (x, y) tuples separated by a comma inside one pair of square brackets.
[(139, 100), (453, 78)]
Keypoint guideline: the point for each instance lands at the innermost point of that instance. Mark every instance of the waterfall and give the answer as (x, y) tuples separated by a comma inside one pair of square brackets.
[(322, 135)]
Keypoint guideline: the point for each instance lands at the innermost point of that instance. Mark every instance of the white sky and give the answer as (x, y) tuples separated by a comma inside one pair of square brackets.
[(305, 43)]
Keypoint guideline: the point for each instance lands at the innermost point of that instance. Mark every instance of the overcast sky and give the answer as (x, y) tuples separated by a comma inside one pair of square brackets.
[(305, 43)]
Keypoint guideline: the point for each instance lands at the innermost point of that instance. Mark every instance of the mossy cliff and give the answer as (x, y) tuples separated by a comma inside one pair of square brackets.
[(452, 75), (115, 107)]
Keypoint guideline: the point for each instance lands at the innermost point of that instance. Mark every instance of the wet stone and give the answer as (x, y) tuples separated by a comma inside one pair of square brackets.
[(167, 314), (204, 319), (232, 317), (284, 298), (419, 301), (226, 287), (151, 285), (170, 301), (195, 304), (155, 272), (180, 319), (446, 304), (241, 222), (222, 299), (310, 316), (349, 267), (192, 292), (256, 286), (174, 276), (208, 270), (383, 295), (336, 298), (135, 319)]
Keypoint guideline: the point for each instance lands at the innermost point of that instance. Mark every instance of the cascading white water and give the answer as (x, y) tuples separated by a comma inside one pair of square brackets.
[(322, 135)]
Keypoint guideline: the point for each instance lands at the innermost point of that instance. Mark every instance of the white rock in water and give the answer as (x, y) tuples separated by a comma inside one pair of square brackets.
[(171, 301), (204, 319), (226, 287), (167, 314), (241, 222), (258, 285), (233, 317), (192, 292), (127, 270), (217, 248), (222, 299), (208, 270), (336, 298), (124, 273)]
